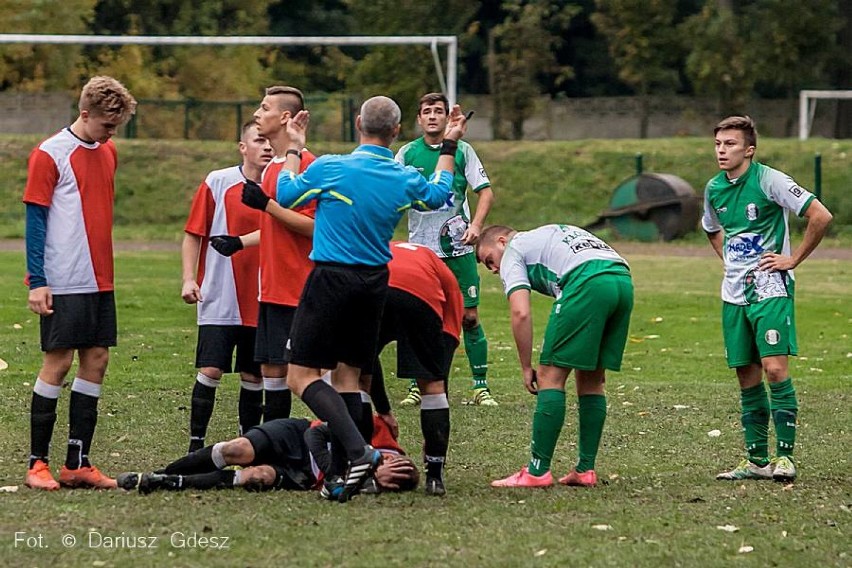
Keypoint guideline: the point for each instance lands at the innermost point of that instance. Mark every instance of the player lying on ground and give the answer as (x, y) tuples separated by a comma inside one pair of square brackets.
[(288, 453)]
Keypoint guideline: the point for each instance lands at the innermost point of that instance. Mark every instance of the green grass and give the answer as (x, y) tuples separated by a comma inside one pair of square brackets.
[(535, 182), (657, 462)]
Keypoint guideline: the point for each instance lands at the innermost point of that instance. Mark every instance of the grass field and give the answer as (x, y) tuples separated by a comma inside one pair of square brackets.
[(535, 182), (658, 506)]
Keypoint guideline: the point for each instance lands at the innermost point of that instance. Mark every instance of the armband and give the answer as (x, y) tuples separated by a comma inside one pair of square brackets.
[(449, 147)]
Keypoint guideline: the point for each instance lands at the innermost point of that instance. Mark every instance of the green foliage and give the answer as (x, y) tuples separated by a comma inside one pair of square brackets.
[(521, 51), (380, 70), (656, 466), (33, 68), (719, 63), (791, 42), (726, 50), (643, 42)]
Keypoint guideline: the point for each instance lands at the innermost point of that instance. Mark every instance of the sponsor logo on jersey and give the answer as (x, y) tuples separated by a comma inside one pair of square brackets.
[(580, 245), (720, 210), (751, 212), (796, 190), (746, 246), (772, 336)]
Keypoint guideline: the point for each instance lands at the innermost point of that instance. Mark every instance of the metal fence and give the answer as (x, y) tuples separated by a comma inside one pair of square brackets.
[(332, 118)]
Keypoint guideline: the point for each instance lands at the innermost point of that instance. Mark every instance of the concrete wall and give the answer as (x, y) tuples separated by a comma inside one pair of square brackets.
[(35, 113), (563, 119), (619, 117)]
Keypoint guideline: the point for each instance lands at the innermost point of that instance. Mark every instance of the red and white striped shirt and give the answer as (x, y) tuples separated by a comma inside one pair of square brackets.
[(228, 284)]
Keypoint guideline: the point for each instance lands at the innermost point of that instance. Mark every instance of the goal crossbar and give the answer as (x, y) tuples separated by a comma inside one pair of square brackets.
[(808, 109), (449, 82)]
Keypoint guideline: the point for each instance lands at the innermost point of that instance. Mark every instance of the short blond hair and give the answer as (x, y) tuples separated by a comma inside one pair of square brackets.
[(107, 97)]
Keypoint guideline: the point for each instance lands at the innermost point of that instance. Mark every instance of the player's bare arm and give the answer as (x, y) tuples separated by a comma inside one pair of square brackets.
[(522, 330), (717, 241), (190, 250), (296, 222), (485, 199), (819, 218), (297, 129)]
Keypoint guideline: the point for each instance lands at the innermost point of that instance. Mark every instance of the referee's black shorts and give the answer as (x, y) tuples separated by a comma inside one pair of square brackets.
[(80, 321), (338, 317), (423, 350)]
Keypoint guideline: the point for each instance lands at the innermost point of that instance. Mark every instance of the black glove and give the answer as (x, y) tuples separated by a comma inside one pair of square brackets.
[(226, 245), (253, 196)]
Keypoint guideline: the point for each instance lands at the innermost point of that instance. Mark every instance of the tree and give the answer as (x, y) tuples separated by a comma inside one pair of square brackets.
[(719, 63), (403, 73), (644, 44), (31, 68), (520, 53), (792, 44)]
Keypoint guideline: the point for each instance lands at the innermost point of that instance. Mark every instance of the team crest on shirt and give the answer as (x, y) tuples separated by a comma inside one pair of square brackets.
[(471, 292), (772, 336), (751, 212)]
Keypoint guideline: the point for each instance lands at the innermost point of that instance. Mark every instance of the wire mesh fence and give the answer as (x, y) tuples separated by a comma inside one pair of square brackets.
[(332, 118)]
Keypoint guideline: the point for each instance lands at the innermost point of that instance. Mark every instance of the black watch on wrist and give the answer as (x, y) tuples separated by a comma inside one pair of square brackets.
[(296, 153)]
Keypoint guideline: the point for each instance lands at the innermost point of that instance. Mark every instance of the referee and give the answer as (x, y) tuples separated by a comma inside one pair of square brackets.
[(360, 199)]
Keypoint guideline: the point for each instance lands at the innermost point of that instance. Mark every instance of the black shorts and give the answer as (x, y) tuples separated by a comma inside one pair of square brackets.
[(423, 350), (80, 321), (281, 444), (338, 317), (216, 345), (273, 332)]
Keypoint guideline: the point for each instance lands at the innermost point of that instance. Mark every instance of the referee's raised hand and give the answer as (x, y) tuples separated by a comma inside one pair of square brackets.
[(456, 124)]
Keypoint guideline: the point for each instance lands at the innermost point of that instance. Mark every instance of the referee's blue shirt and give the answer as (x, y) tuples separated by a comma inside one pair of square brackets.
[(361, 197)]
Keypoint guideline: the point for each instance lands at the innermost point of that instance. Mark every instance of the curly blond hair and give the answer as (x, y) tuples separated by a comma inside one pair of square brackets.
[(107, 97)]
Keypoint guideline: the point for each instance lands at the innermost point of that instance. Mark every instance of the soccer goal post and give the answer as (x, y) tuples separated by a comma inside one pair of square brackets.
[(807, 107), (448, 80)]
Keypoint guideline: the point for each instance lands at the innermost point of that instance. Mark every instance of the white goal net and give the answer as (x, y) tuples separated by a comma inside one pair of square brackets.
[(807, 107)]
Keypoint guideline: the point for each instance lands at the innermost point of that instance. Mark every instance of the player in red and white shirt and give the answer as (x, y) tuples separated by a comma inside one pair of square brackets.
[(224, 288), (69, 207), (423, 314), (285, 241)]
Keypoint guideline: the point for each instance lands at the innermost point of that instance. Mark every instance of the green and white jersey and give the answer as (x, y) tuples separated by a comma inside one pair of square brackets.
[(548, 258), (441, 230), (752, 212)]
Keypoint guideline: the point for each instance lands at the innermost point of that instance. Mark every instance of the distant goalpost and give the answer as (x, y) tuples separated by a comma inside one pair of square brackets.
[(808, 108), (448, 80)]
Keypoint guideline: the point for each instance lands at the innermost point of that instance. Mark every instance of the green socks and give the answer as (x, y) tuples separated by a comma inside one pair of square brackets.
[(547, 424), (785, 409), (476, 346), (755, 421), (592, 409)]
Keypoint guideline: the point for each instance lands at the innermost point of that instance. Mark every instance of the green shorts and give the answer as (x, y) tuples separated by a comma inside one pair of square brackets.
[(758, 330), (464, 268), (588, 325)]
